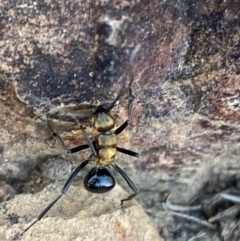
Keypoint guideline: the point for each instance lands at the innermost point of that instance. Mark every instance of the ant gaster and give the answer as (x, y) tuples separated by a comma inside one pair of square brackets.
[(104, 148)]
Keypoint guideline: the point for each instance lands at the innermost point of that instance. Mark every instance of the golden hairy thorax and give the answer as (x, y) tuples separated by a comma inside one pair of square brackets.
[(106, 142)]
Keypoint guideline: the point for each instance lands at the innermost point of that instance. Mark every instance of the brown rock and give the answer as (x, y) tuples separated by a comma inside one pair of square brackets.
[(184, 60), (77, 216), (6, 191)]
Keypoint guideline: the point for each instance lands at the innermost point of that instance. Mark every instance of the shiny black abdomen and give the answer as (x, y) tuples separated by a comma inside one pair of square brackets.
[(99, 180)]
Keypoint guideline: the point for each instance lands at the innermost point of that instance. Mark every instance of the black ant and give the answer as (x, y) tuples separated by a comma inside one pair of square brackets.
[(104, 148)]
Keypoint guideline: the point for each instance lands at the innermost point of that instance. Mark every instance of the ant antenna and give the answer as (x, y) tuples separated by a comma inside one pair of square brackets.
[(89, 142), (131, 98)]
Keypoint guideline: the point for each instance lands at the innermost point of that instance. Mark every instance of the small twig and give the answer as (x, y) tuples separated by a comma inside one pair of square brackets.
[(180, 208), (193, 219), (229, 197)]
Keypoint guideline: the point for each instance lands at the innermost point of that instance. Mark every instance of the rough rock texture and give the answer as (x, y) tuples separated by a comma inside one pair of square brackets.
[(77, 216), (59, 58), (207, 203), (6, 192)]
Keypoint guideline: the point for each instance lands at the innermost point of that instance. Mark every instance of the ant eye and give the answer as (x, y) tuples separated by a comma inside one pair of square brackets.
[(99, 180)]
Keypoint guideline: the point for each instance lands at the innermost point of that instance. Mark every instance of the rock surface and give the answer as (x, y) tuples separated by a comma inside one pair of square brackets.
[(77, 216), (183, 58)]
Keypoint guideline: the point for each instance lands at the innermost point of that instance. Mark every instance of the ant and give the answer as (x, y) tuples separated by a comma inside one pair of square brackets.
[(103, 148)]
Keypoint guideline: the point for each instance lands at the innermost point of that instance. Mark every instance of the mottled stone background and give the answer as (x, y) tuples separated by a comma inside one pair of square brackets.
[(64, 57)]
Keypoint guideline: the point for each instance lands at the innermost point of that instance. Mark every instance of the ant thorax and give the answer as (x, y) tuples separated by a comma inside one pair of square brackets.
[(106, 139), (106, 143)]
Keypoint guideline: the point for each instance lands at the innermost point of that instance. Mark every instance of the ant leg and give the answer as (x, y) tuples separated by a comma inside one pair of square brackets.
[(69, 151), (64, 190), (90, 144), (126, 123), (127, 152), (77, 148), (129, 182), (121, 128)]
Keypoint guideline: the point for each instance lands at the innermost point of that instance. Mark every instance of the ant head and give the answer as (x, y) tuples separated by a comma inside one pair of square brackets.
[(103, 122), (104, 108), (99, 180)]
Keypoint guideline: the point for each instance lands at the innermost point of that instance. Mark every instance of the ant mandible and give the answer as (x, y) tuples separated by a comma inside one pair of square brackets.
[(104, 148)]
